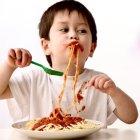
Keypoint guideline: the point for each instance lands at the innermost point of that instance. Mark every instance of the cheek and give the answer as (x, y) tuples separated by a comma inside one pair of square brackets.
[(87, 47), (85, 54), (58, 48), (57, 41)]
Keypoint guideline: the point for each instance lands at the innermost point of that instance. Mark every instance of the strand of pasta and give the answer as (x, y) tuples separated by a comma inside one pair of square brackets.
[(65, 77), (75, 79)]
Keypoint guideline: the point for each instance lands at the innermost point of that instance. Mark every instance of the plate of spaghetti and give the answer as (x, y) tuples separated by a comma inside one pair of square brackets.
[(82, 129), (58, 126)]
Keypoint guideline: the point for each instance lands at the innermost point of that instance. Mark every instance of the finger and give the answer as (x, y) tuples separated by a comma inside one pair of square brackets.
[(99, 81), (96, 82), (12, 54), (108, 84), (18, 55), (102, 82), (29, 58), (26, 58), (92, 80)]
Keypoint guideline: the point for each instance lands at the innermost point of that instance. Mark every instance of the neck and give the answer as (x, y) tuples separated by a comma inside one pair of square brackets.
[(71, 70)]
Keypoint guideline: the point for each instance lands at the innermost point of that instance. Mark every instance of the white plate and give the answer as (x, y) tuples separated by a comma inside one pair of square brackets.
[(60, 134)]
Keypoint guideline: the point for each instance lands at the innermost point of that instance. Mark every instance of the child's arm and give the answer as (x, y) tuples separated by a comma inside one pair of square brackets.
[(126, 109), (16, 58)]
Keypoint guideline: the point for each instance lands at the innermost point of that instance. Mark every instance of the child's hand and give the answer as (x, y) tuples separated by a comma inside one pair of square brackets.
[(103, 83), (19, 57)]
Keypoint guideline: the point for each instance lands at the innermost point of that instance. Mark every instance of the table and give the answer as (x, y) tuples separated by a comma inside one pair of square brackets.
[(103, 134)]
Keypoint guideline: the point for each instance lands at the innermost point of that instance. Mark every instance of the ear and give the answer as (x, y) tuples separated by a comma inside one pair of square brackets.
[(93, 47), (45, 46)]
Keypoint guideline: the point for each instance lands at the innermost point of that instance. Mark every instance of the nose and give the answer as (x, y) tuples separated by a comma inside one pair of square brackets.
[(73, 35)]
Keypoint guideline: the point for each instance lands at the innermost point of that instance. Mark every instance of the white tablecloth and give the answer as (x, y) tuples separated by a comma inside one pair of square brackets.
[(103, 134)]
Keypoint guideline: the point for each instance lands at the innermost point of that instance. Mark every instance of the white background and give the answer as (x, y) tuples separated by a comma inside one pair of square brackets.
[(118, 47)]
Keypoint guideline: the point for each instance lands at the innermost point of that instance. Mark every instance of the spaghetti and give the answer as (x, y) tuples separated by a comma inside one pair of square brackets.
[(43, 126), (58, 120), (75, 50)]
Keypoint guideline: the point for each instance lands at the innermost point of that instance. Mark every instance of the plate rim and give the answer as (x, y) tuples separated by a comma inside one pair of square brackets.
[(60, 134)]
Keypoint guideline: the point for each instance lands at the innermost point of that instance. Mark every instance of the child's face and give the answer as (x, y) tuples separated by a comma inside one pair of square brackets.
[(65, 29)]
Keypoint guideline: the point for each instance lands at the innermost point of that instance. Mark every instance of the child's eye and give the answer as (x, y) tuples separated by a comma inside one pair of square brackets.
[(65, 30), (83, 31)]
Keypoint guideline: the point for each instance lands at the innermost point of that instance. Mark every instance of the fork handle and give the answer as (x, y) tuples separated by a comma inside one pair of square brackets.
[(36, 63)]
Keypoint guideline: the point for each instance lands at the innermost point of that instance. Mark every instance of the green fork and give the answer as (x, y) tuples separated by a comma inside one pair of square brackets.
[(47, 70)]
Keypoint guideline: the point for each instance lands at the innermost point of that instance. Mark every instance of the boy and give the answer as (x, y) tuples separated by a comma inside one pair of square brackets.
[(36, 93)]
